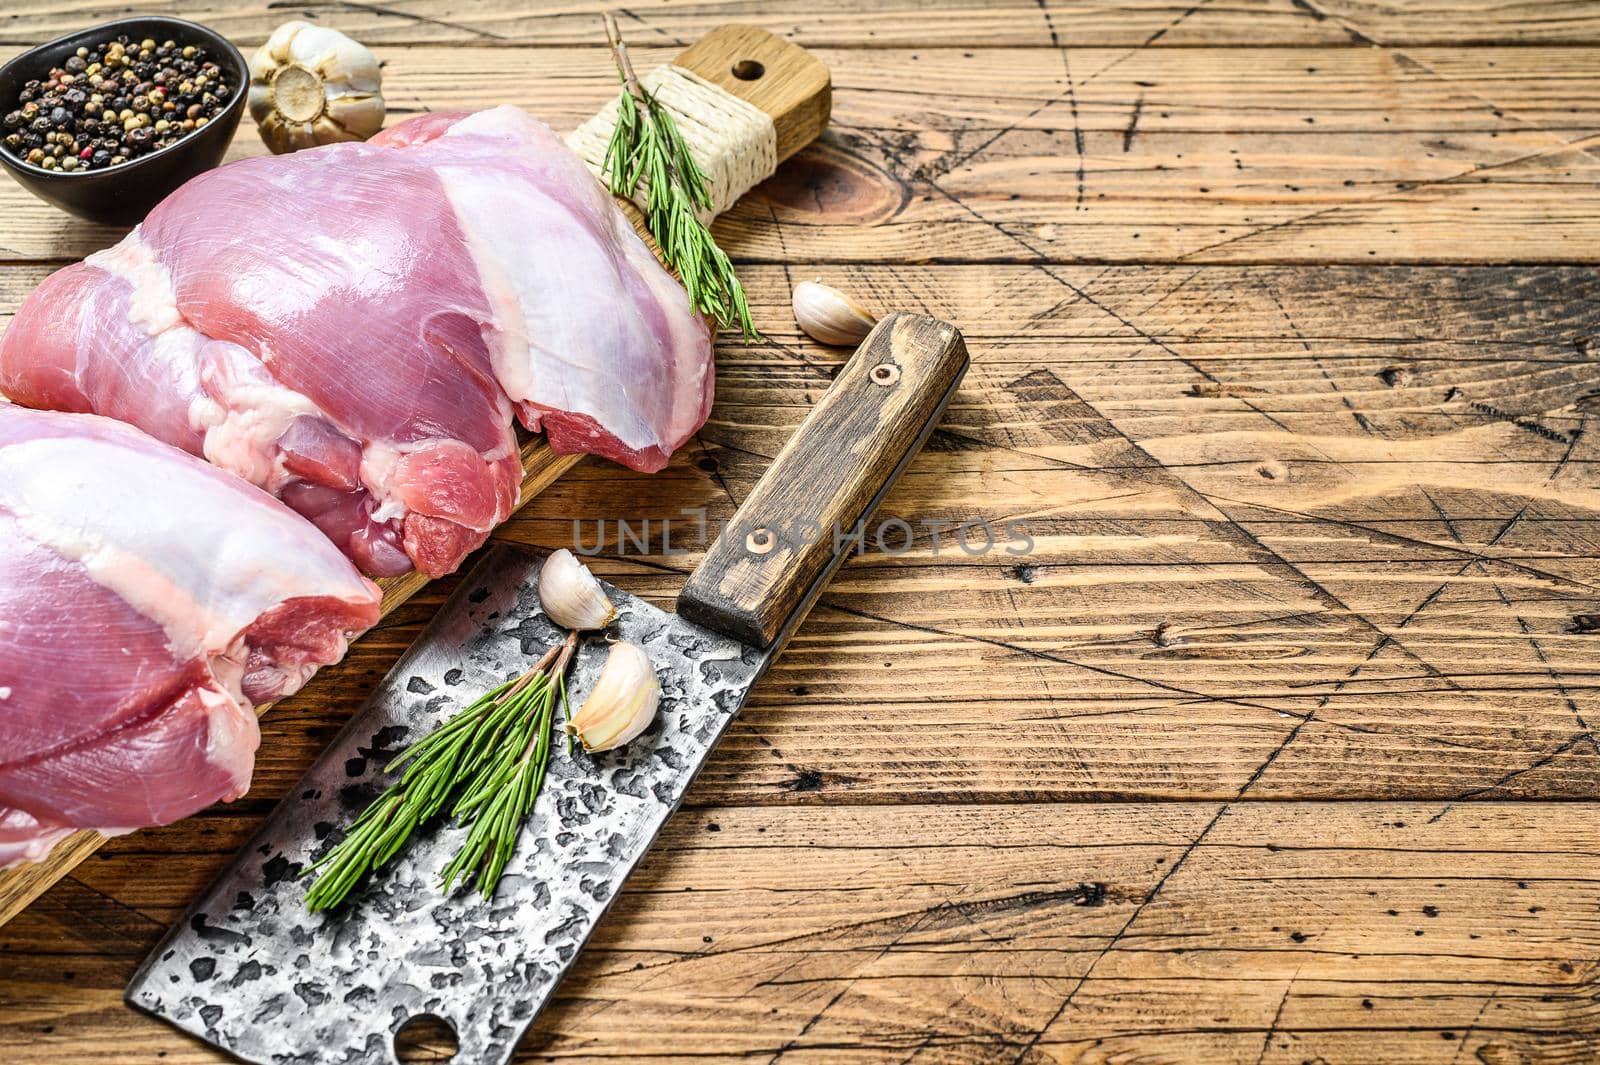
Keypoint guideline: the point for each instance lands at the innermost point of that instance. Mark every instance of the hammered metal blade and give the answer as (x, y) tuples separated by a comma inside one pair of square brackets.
[(249, 970)]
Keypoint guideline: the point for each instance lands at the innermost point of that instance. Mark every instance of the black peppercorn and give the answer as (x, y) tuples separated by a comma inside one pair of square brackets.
[(111, 102)]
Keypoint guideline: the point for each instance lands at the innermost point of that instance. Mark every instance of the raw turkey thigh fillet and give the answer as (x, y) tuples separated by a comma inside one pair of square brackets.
[(353, 327), (148, 602)]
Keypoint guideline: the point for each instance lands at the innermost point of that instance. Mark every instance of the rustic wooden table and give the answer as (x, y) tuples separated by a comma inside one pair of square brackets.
[(1277, 748)]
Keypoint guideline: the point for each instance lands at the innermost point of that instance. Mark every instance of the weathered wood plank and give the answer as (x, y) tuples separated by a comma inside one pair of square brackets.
[(1195, 154), (1098, 23), (1363, 498), (1274, 932)]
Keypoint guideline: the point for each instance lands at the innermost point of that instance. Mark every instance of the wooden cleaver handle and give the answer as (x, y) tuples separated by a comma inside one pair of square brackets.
[(811, 508)]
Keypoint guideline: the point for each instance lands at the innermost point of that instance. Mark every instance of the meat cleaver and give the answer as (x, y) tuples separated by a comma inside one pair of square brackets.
[(249, 970)]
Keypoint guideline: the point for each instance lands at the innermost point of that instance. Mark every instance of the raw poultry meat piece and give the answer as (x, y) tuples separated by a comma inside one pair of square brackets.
[(590, 337), (148, 602), (352, 327)]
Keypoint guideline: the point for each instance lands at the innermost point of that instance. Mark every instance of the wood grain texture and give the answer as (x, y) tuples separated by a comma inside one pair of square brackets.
[(1354, 932), (1254, 757), (817, 498), (834, 23), (1200, 155)]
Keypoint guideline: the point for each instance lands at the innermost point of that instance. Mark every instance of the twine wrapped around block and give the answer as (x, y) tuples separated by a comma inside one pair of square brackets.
[(734, 142)]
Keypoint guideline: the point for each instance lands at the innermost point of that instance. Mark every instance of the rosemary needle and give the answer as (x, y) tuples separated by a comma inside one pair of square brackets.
[(493, 755), (646, 146)]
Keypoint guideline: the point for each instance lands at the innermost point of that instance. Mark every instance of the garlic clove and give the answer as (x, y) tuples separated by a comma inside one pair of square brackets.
[(572, 596), (356, 112), (623, 702), (312, 85), (828, 316)]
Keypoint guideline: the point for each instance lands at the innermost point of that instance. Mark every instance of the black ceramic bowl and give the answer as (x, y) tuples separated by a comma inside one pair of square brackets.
[(122, 195)]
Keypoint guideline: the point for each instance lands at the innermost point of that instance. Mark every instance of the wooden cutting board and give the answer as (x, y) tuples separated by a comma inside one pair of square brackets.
[(782, 79)]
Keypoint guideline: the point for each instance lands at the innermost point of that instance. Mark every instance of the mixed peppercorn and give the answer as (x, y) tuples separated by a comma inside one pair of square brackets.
[(113, 103)]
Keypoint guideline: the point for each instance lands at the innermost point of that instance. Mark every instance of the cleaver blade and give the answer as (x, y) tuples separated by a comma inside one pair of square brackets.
[(250, 970)]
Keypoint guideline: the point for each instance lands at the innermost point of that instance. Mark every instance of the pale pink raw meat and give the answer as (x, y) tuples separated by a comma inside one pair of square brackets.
[(352, 327), (148, 602)]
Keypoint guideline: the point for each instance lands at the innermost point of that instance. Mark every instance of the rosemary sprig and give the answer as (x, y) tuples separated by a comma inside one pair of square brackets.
[(499, 794), (491, 756), (646, 146)]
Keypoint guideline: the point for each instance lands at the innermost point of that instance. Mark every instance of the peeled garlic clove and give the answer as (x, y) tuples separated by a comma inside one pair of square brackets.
[(623, 702), (572, 596), (310, 85), (828, 316)]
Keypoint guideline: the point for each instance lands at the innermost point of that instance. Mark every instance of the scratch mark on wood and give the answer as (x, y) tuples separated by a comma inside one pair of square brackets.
[(1127, 323), (1360, 419), (1320, 15), (1566, 457), (1539, 763), (1133, 124), (1525, 423), (1473, 1027), (1077, 127), (378, 9), (1049, 23), (1047, 656), (1147, 42), (1163, 31), (1400, 538), (817, 1017), (1277, 1018), (1586, 140), (1544, 659), (657, 30)]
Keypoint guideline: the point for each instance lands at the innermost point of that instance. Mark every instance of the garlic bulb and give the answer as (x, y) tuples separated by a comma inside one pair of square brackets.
[(623, 702), (828, 316), (310, 85), (572, 596)]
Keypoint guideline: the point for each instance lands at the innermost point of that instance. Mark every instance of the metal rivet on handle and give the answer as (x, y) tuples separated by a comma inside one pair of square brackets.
[(760, 541), (885, 374)]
